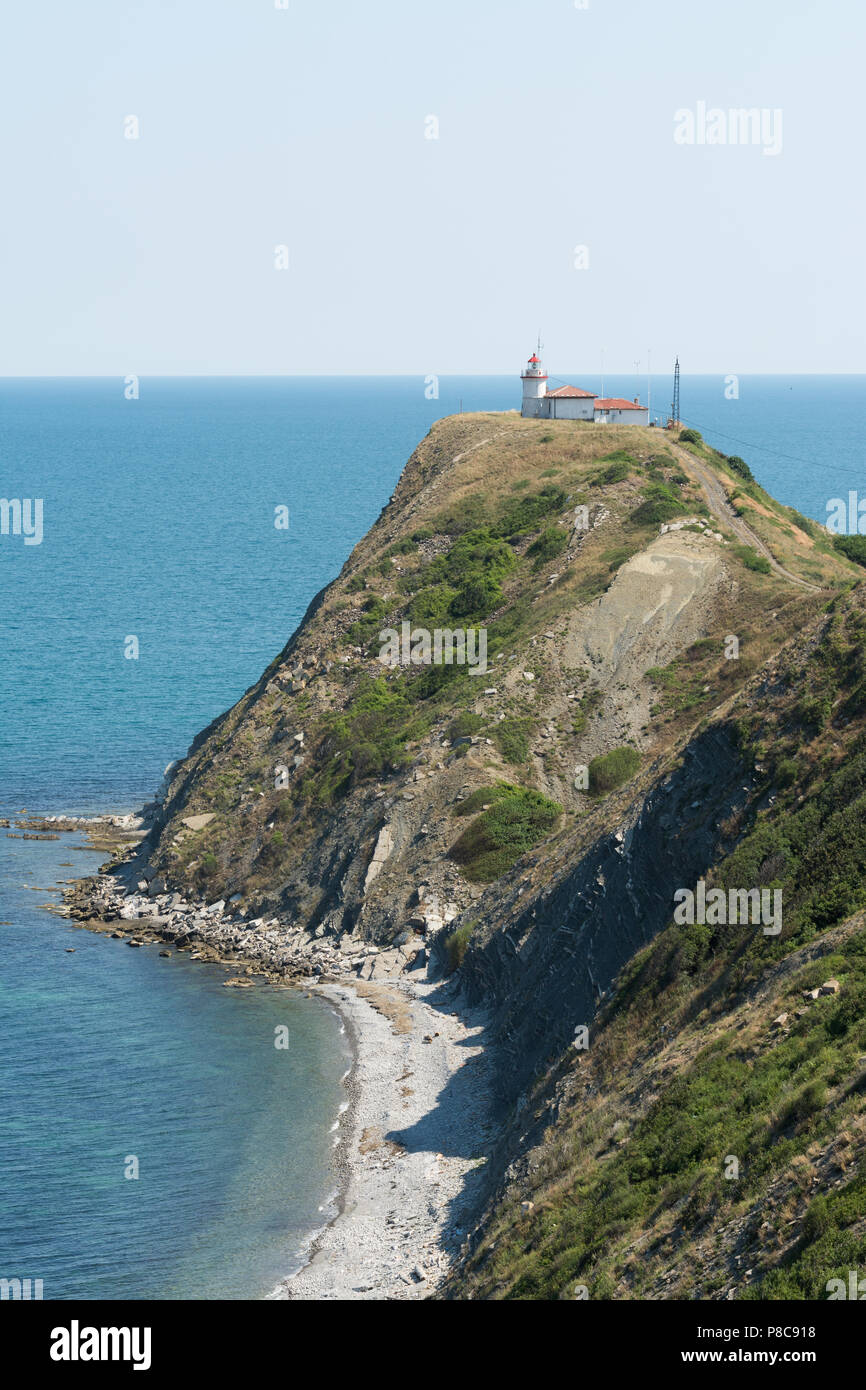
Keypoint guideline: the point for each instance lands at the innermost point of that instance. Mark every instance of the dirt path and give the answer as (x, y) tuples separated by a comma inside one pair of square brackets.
[(481, 443), (723, 511)]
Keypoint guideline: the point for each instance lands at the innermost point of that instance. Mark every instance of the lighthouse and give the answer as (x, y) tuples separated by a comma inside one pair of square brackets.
[(572, 402), (534, 379)]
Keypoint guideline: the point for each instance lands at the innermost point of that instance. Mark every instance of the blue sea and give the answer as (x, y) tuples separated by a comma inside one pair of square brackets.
[(158, 526)]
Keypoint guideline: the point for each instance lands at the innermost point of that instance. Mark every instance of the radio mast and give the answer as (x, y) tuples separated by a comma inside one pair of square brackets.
[(675, 405)]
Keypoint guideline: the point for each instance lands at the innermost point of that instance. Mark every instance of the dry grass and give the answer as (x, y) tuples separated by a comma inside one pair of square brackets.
[(389, 1002)]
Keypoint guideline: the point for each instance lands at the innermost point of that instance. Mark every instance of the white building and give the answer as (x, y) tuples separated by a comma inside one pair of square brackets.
[(616, 411), (571, 403)]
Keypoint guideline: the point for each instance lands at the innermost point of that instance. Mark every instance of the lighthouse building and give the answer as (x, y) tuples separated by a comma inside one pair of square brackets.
[(572, 403)]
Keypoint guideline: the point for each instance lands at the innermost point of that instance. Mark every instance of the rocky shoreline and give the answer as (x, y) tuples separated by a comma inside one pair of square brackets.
[(411, 1139), (269, 948)]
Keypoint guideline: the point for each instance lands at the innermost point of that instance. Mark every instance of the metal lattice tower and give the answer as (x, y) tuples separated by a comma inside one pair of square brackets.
[(675, 406)]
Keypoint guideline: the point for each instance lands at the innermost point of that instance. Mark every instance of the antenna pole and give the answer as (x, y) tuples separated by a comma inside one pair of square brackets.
[(675, 407), (649, 385)]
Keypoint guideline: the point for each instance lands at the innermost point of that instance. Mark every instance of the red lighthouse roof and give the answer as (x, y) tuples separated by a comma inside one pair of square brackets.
[(570, 392), (534, 358)]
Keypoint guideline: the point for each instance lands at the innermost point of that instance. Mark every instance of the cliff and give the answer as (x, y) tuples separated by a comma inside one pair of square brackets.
[(674, 692)]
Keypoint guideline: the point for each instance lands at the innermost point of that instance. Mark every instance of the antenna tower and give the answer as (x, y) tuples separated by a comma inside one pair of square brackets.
[(675, 406)]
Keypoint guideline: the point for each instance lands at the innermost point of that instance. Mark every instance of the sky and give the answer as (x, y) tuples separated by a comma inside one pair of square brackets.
[(442, 180)]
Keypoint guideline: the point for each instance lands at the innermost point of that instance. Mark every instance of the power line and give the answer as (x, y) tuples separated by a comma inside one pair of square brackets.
[(792, 458), (745, 443)]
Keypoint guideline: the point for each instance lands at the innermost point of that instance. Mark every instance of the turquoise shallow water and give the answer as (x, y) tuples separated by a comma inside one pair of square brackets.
[(158, 523), (111, 1053)]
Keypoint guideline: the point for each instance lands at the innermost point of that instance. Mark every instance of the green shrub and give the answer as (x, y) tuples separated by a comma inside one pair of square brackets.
[(465, 725), (752, 560), (373, 611), (854, 547), (433, 679), (472, 570), (484, 796), (661, 504), (817, 1219), (551, 543), (814, 711), (786, 772), (613, 768), (367, 739), (517, 819), (739, 466), (618, 470), (588, 704), (691, 437), (521, 515), (809, 1099), (430, 606), (476, 599), (511, 737), (457, 944)]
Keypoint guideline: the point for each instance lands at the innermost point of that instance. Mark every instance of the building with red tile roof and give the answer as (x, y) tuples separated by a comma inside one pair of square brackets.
[(573, 403)]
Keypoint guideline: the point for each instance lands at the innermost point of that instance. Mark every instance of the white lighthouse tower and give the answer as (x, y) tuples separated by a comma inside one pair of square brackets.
[(534, 379)]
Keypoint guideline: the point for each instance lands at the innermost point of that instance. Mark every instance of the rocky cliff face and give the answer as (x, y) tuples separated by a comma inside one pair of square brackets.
[(547, 958)]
